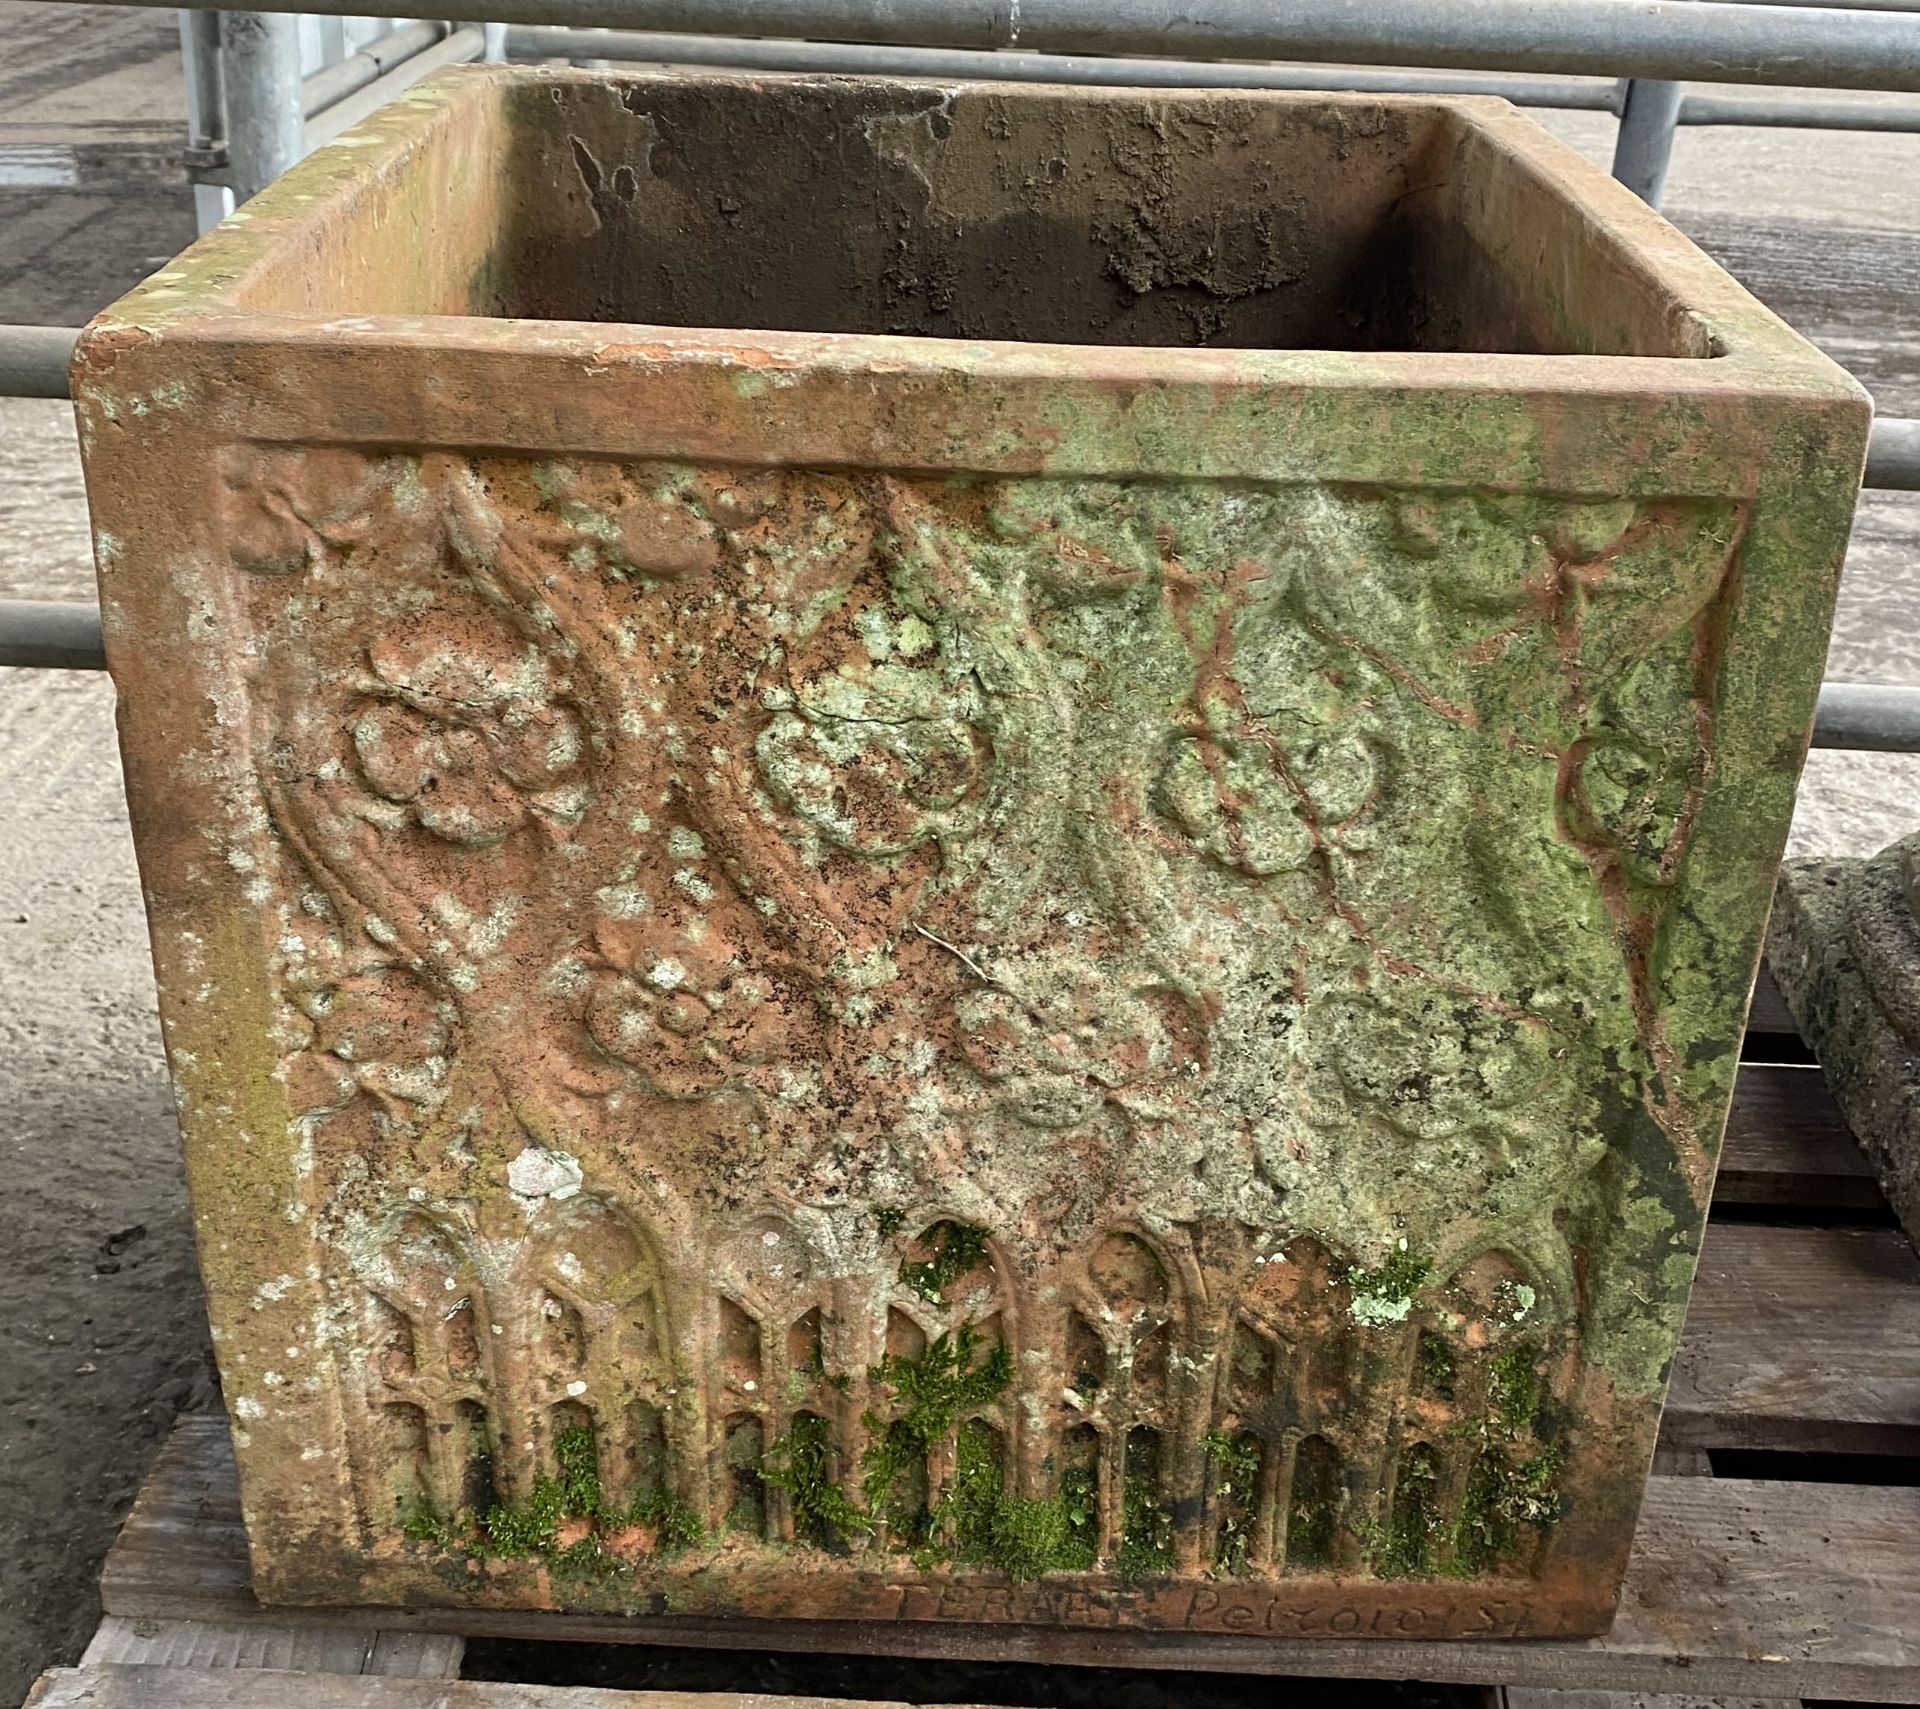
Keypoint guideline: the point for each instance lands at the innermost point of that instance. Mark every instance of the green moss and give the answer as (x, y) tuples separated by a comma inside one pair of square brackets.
[(1414, 1529), (934, 1390), (984, 1526), (1236, 1476), (1507, 1488), (748, 1510), (1146, 1533), (529, 1527), (578, 1455), (423, 1525), (1502, 1497), (674, 1522), (1513, 1391), (801, 1463), (976, 1522), (1436, 1366), (1314, 1506), (957, 1248), (888, 1220)]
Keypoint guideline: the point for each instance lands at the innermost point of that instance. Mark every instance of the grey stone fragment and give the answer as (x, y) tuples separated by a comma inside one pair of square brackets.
[(1844, 946)]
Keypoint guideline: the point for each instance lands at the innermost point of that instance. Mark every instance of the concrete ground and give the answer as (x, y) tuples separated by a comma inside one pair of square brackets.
[(101, 1335)]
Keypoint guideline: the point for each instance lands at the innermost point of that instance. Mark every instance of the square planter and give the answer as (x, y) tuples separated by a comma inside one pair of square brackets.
[(955, 852)]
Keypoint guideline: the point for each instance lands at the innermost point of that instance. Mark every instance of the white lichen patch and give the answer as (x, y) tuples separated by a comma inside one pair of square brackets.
[(538, 1174)]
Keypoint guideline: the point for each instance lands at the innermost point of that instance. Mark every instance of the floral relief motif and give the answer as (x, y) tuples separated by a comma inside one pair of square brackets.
[(282, 508), (381, 1033), (688, 1014), (466, 738), (1058, 1042), (883, 751), (629, 526), (1247, 806)]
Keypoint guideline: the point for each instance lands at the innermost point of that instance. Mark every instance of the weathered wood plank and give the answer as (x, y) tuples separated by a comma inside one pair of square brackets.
[(261, 1644), (1768, 1013), (136, 1686), (1736, 1587), (1788, 1144), (1522, 1697), (1672, 1462), (1849, 288), (416, 1655), (1800, 1338)]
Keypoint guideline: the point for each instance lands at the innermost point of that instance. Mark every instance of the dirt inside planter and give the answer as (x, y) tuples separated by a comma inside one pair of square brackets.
[(1116, 217)]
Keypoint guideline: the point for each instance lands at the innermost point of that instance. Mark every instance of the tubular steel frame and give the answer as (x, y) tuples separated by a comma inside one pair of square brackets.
[(246, 69)]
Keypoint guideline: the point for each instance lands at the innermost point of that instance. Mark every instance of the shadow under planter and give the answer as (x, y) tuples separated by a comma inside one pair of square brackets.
[(956, 853)]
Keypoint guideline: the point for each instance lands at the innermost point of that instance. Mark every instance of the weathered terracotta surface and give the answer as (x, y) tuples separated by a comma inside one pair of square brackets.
[(1844, 945), (866, 969)]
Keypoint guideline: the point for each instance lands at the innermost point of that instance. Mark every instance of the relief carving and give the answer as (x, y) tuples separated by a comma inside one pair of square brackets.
[(1035, 1026)]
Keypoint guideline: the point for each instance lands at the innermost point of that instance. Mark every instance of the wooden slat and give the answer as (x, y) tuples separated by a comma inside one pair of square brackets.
[(261, 1644), (1736, 1587), (133, 1686), (1768, 1013), (1520, 1697), (1800, 1338), (1788, 1144), (1674, 1462)]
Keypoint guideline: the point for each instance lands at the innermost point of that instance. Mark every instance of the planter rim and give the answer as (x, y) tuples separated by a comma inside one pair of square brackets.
[(199, 295)]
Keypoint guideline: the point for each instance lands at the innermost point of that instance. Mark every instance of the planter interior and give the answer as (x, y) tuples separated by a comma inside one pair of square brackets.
[(955, 853), (1038, 216)]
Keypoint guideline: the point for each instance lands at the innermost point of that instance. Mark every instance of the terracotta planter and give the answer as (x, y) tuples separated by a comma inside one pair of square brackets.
[(956, 853)]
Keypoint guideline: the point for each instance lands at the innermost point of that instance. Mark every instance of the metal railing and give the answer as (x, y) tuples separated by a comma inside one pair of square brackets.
[(1590, 94), (1627, 57), (1717, 41)]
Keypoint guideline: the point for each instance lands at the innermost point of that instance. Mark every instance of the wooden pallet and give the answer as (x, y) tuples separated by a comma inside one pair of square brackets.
[(1803, 1340)]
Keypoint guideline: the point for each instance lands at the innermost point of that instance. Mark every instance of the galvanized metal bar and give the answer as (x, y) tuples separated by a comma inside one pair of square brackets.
[(33, 360), (264, 120), (866, 59), (51, 635), (1705, 40), (1649, 110), (344, 77), (1804, 113), (468, 42), (1893, 455), (202, 64), (1873, 717)]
